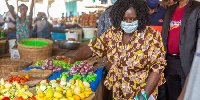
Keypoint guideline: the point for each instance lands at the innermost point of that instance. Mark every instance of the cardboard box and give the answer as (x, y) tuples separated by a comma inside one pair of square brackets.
[(14, 52)]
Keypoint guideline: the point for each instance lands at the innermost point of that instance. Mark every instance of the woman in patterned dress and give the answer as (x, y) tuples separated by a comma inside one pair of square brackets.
[(134, 49), (23, 22)]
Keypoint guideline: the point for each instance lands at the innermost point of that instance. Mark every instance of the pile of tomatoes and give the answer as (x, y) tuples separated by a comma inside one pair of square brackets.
[(18, 79)]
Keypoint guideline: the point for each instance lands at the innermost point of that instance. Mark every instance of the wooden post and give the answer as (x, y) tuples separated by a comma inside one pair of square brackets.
[(17, 6)]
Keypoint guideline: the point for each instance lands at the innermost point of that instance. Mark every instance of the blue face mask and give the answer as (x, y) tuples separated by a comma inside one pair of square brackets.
[(113, 1), (129, 27)]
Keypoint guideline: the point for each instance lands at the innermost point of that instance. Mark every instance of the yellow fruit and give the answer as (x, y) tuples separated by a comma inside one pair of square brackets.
[(40, 94), (77, 90), (2, 87), (86, 84), (88, 93), (82, 96), (48, 98), (29, 94), (41, 99), (59, 89), (63, 99), (76, 97), (69, 93), (58, 95), (1, 97), (26, 86), (25, 97), (55, 99), (70, 98), (72, 81), (49, 93), (63, 78), (18, 86), (87, 89), (80, 83)]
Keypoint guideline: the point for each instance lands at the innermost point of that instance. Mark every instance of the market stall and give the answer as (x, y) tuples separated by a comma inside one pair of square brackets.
[(34, 71)]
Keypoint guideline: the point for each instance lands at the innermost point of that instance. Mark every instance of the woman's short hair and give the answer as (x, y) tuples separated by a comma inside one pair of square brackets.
[(23, 5), (121, 6)]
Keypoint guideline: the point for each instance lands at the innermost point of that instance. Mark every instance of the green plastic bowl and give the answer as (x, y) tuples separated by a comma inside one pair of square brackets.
[(34, 43)]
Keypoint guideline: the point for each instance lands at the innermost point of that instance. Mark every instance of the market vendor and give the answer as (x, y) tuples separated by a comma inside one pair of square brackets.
[(134, 49), (42, 26), (23, 22)]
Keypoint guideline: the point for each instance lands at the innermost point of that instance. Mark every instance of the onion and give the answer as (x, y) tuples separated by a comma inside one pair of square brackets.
[(44, 67), (54, 70)]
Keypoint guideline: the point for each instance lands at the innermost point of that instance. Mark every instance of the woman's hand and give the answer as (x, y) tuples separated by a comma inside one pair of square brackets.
[(106, 63)]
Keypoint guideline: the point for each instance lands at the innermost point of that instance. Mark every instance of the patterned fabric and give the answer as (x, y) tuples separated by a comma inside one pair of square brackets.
[(132, 62), (22, 28), (104, 22)]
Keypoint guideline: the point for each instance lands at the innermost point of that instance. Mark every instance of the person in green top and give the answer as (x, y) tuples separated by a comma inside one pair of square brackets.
[(23, 22)]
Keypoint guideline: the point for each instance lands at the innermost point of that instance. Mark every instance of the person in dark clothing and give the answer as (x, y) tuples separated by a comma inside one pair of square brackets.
[(156, 14), (180, 32)]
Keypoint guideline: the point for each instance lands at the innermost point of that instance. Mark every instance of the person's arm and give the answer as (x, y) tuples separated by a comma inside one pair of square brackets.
[(31, 13), (96, 47), (157, 63), (83, 54), (10, 9), (35, 27), (152, 83), (14, 22)]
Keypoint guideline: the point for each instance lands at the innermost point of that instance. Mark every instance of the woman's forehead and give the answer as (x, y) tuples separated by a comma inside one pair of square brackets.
[(23, 7), (131, 11)]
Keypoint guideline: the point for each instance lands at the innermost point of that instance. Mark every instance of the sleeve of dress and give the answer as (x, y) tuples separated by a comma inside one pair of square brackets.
[(99, 46), (156, 54)]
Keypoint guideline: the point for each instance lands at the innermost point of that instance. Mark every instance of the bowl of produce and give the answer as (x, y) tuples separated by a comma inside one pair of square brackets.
[(65, 44)]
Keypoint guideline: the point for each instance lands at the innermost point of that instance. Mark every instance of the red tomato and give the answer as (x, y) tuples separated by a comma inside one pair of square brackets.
[(57, 81), (48, 81), (6, 98), (33, 98), (20, 98)]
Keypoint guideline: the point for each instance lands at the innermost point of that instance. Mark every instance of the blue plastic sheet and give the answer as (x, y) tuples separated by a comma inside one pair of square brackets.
[(93, 84)]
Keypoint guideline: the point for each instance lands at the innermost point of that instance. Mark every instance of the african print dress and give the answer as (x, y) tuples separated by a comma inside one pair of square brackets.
[(22, 28), (132, 62)]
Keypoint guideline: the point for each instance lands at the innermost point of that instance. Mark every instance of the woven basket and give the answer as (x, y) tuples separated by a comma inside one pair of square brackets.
[(12, 65), (35, 53)]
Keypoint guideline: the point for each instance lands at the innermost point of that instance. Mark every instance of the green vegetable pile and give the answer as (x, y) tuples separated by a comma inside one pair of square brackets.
[(65, 65), (40, 63), (77, 76), (90, 77), (63, 74), (57, 63)]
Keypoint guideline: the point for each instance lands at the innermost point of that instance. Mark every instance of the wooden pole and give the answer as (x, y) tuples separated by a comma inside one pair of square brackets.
[(17, 6)]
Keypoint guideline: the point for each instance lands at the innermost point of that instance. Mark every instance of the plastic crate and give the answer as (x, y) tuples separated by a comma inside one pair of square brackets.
[(58, 36)]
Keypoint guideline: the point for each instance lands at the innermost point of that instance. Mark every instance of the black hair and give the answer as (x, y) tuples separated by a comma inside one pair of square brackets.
[(121, 6), (12, 7), (23, 5)]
